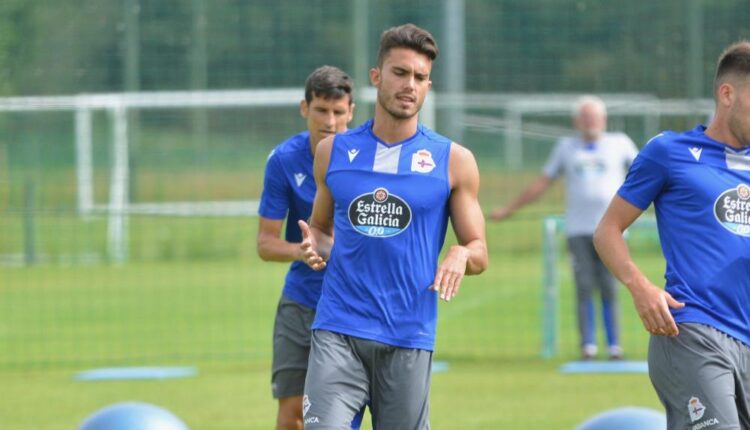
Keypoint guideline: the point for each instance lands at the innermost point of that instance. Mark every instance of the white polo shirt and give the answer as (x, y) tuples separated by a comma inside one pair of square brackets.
[(593, 173)]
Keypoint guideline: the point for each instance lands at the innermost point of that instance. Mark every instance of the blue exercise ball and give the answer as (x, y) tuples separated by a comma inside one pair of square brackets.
[(132, 416), (628, 418)]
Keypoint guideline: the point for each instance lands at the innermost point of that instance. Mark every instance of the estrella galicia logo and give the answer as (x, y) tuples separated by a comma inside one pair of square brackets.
[(379, 214), (732, 210)]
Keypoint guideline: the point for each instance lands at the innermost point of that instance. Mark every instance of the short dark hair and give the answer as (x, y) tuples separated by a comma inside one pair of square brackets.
[(407, 36), (735, 60), (328, 82)]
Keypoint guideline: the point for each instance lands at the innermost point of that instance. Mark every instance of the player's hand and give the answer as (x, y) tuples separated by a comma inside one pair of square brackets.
[(499, 214), (652, 304), (309, 251), (451, 272)]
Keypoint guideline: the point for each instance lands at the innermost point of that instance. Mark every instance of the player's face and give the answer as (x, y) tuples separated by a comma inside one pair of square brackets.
[(403, 81), (739, 113), (326, 116), (591, 122)]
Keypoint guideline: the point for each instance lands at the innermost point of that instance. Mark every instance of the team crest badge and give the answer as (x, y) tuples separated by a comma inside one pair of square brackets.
[(696, 409), (305, 405), (422, 162), (743, 192)]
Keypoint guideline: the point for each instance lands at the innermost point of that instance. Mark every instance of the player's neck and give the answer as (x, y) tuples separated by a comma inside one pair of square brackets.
[(390, 129), (719, 131), (313, 146)]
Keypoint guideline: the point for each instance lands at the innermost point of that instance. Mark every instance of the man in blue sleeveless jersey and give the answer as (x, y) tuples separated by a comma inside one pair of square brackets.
[(387, 190), (288, 192), (699, 182)]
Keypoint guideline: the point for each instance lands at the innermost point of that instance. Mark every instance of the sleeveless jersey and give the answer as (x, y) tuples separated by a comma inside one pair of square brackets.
[(288, 192), (701, 192), (390, 219)]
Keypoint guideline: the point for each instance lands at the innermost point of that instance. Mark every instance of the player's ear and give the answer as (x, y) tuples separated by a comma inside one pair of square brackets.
[(304, 109), (351, 113), (725, 94), (375, 76)]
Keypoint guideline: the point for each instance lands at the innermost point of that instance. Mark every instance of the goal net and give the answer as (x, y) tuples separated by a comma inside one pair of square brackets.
[(180, 154)]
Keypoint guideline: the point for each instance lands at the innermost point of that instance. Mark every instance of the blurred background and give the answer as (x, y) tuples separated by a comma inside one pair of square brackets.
[(133, 138)]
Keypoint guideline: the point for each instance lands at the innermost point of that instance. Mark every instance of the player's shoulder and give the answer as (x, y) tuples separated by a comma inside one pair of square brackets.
[(360, 130), (461, 153), (433, 136), (663, 141), (672, 146), (671, 141), (292, 146)]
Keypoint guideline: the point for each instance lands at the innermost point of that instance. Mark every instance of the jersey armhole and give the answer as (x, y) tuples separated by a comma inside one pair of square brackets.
[(448, 183), (330, 160)]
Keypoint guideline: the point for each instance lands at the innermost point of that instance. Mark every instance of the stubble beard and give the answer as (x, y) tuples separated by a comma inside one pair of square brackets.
[(397, 114)]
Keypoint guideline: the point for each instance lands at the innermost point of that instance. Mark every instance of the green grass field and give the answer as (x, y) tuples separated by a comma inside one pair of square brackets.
[(195, 294)]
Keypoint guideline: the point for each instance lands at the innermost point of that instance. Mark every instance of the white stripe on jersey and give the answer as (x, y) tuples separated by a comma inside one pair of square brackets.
[(386, 159)]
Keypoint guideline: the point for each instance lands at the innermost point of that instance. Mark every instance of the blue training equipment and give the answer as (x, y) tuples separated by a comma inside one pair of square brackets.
[(627, 418), (605, 367), (439, 366), (132, 416), (135, 373)]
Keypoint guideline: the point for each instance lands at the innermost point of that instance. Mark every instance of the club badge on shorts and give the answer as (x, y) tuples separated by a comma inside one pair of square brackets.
[(696, 409)]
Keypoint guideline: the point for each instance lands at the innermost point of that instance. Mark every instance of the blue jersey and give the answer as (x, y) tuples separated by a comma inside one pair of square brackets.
[(288, 192), (701, 193), (390, 219)]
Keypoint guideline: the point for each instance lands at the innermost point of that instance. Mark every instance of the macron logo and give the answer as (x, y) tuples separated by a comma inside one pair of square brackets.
[(696, 152), (299, 178), (353, 154)]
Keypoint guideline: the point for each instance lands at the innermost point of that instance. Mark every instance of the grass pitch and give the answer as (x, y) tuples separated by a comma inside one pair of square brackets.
[(195, 294)]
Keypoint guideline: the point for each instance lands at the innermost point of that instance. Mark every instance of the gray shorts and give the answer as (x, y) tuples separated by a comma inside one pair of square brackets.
[(291, 348), (346, 372), (702, 377)]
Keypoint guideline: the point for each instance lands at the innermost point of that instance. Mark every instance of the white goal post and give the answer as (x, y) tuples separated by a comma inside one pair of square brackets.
[(505, 114), (117, 105)]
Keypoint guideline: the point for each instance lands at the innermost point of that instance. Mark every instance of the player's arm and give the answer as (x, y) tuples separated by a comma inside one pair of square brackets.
[(317, 238), (530, 194), (651, 302), (270, 245), (274, 206), (469, 257)]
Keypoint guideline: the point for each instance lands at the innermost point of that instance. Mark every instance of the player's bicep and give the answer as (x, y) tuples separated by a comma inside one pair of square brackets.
[(467, 218), (466, 214), (322, 214), (274, 199), (620, 214)]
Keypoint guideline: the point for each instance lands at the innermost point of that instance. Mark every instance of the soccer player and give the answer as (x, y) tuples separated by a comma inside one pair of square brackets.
[(594, 163), (698, 181), (288, 192), (387, 190)]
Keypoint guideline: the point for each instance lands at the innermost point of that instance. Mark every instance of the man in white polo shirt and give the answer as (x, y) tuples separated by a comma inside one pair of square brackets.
[(594, 164)]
